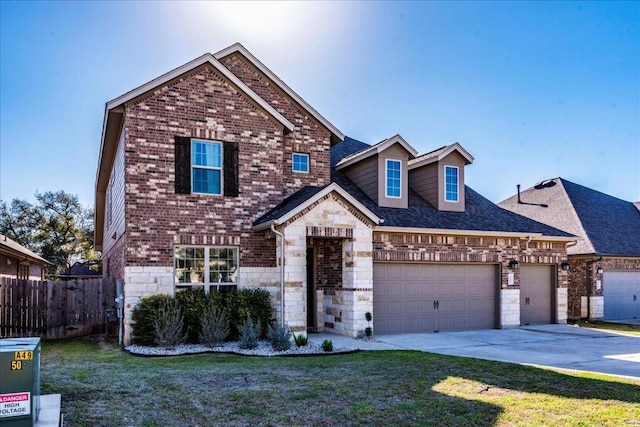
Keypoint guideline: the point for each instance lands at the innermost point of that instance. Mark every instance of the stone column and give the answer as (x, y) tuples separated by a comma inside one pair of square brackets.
[(295, 277)]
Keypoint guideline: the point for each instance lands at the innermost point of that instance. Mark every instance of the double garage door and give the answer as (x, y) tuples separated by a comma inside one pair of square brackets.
[(444, 297), (433, 297), (621, 294)]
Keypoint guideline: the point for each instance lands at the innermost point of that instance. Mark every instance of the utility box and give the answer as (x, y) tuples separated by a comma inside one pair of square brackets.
[(19, 381)]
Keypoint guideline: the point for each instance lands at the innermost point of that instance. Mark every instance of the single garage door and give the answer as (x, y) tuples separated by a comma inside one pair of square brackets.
[(433, 297), (536, 294), (621, 294)]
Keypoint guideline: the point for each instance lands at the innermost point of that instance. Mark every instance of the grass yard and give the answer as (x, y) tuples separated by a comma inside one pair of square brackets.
[(103, 386), (616, 328)]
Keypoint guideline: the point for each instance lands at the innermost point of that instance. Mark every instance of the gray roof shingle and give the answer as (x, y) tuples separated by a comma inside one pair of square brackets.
[(480, 214), (611, 224)]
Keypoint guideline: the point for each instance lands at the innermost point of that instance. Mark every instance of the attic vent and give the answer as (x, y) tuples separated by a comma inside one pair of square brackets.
[(545, 184)]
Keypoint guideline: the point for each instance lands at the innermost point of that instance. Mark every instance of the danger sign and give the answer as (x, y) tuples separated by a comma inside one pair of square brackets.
[(15, 404)]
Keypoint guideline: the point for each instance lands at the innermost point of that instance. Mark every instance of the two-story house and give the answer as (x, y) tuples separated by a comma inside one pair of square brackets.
[(218, 175)]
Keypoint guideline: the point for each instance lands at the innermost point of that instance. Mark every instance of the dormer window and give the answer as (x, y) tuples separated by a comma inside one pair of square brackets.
[(392, 178), (451, 184)]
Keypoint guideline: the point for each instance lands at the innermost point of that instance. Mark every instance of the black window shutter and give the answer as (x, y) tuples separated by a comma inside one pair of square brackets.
[(230, 166), (183, 164)]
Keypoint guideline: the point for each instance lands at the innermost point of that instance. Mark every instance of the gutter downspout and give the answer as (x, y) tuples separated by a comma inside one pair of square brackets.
[(589, 264), (273, 228)]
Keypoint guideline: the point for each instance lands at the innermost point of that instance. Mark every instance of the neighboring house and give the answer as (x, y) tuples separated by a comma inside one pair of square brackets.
[(217, 175), (18, 262), (83, 270), (604, 280)]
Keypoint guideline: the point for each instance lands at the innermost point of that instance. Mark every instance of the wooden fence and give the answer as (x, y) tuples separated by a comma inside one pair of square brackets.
[(55, 309)]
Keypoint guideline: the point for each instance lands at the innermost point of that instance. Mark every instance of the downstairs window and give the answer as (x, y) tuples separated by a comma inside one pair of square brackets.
[(208, 267)]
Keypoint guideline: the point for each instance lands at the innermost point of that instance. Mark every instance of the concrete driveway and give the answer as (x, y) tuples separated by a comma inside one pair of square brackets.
[(558, 346)]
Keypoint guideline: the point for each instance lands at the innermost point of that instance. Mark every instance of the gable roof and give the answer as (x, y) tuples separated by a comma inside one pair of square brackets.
[(114, 116), (304, 198), (480, 217), (439, 154), (239, 48), (17, 250), (371, 150), (112, 107), (606, 224)]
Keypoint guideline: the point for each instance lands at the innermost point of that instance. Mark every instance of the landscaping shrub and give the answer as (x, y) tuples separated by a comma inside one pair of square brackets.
[(249, 333), (144, 319), (248, 302), (280, 337), (192, 302), (327, 345), (169, 325), (214, 325), (301, 340)]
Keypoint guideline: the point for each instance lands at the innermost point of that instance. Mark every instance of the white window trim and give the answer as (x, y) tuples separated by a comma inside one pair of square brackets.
[(457, 184), (221, 168), (292, 162), (386, 178), (207, 284)]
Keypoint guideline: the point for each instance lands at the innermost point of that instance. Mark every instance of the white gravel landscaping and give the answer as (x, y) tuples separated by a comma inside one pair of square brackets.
[(264, 349)]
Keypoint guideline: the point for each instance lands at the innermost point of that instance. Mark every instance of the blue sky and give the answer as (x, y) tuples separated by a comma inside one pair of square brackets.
[(533, 90)]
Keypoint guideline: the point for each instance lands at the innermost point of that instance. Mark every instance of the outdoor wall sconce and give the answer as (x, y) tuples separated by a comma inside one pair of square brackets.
[(565, 266), (600, 270), (513, 264)]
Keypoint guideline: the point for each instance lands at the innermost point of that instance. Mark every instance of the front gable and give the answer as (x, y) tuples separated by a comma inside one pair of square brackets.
[(438, 177), (381, 171)]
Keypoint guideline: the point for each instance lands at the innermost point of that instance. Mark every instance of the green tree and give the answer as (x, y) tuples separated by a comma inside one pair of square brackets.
[(57, 228)]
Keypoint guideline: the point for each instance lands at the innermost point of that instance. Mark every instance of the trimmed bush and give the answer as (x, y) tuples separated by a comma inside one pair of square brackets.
[(214, 326), (280, 337), (249, 333), (144, 319), (192, 302), (248, 302), (169, 325)]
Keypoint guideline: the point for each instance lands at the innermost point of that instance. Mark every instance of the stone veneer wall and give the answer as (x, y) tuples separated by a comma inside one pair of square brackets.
[(577, 292), (344, 308), (142, 282)]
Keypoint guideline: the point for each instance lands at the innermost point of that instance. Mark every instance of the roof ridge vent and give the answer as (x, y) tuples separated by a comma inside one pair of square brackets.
[(544, 184)]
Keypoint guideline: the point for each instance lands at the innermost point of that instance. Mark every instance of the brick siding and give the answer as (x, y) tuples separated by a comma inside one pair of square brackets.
[(202, 104), (407, 247)]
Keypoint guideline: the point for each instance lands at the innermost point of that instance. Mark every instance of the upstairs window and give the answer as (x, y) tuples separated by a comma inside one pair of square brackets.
[(206, 167), (208, 267), (300, 162), (392, 178), (450, 183)]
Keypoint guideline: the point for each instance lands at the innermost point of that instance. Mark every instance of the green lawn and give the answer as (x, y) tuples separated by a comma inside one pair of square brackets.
[(616, 328), (103, 386)]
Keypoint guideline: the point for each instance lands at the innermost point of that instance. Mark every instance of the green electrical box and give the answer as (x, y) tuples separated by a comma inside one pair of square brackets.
[(19, 381)]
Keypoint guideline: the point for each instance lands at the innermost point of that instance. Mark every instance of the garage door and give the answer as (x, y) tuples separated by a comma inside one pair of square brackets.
[(536, 296), (432, 297), (621, 294)]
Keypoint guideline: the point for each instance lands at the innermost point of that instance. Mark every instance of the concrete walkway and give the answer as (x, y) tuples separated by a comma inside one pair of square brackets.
[(559, 346)]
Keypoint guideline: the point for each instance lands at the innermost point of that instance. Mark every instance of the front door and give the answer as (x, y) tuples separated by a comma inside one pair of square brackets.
[(312, 325)]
